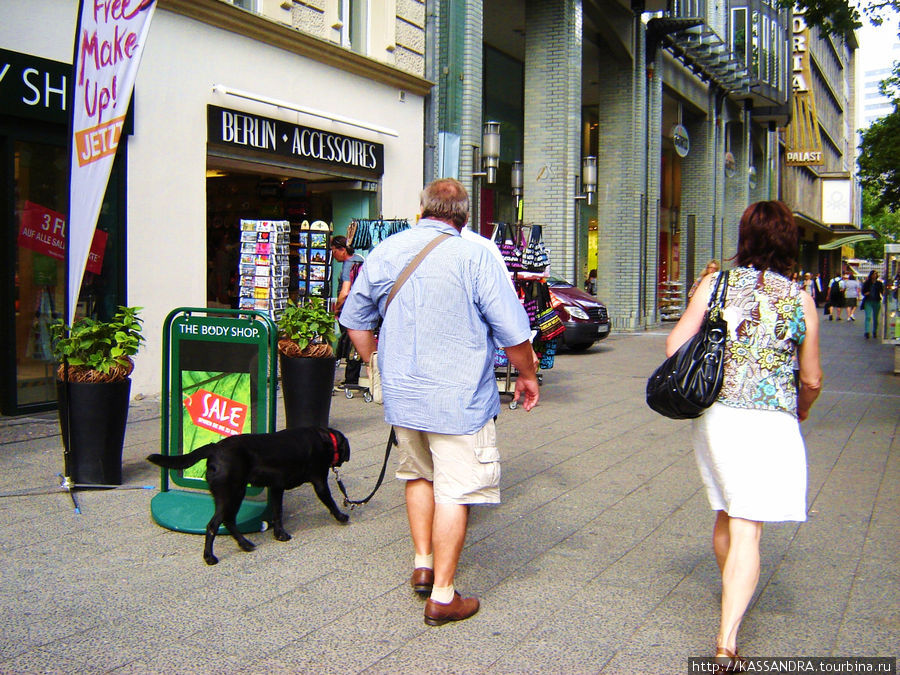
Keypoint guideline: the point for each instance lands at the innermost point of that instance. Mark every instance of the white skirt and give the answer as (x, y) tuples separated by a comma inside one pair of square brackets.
[(753, 463)]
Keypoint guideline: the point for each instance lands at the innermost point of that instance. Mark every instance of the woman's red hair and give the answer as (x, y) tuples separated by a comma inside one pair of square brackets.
[(768, 238)]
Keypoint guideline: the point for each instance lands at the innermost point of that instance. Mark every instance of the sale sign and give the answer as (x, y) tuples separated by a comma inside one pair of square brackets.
[(215, 412), (108, 47), (44, 230)]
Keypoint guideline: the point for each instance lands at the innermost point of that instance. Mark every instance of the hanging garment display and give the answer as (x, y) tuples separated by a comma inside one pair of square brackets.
[(365, 234), (536, 257), (510, 246)]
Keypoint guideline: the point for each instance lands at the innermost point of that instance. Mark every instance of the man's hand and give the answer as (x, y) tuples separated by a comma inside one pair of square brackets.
[(528, 388), (522, 356)]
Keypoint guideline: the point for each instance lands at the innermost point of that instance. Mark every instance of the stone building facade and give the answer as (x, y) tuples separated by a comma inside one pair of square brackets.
[(680, 102)]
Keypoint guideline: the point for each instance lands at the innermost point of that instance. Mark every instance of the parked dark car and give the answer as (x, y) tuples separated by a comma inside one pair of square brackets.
[(585, 317)]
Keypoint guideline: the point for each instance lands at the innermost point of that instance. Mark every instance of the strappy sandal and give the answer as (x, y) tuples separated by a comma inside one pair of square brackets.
[(734, 663)]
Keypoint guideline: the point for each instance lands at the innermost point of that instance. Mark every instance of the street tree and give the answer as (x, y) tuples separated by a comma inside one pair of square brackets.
[(877, 218), (840, 17), (879, 152)]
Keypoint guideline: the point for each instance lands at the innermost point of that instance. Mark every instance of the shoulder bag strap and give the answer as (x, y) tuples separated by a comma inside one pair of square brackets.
[(414, 263), (717, 299)]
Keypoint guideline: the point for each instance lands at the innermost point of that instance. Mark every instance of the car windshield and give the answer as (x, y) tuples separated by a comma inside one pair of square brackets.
[(556, 281)]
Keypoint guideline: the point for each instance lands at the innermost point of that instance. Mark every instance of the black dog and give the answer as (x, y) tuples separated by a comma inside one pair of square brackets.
[(278, 461)]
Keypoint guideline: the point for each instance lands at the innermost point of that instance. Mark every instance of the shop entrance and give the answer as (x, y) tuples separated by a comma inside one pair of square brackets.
[(33, 209), (237, 190)]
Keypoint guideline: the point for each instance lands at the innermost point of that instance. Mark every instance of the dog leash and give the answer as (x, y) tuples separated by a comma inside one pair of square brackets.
[(392, 440)]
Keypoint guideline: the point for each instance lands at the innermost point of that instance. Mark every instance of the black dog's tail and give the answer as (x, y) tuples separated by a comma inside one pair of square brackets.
[(182, 461)]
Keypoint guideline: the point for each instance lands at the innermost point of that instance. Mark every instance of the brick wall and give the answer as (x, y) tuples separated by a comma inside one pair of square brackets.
[(552, 161), (621, 116)]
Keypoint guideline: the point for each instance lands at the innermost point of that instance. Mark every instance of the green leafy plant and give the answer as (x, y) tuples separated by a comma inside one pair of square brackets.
[(98, 351), (306, 329)]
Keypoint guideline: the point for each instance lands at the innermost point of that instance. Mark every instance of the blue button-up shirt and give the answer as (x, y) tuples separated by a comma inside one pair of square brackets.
[(436, 345)]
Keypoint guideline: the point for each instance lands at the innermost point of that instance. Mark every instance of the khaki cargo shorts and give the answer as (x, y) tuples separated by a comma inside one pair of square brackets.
[(464, 469)]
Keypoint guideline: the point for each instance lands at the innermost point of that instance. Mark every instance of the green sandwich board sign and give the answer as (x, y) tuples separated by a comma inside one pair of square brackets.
[(218, 381)]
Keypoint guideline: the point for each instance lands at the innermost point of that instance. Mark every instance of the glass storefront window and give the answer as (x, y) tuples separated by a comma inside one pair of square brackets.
[(40, 196), (739, 33), (37, 229)]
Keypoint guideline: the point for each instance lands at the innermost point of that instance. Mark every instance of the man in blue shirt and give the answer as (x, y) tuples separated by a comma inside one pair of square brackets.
[(436, 351)]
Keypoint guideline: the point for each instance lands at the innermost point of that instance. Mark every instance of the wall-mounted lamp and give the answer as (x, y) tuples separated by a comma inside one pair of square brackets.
[(588, 179), (489, 157), (517, 180)]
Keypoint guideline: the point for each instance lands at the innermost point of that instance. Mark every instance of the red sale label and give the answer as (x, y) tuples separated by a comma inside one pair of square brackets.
[(44, 230), (214, 412)]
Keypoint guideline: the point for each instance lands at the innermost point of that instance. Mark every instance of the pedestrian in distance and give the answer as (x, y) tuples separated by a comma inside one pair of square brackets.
[(835, 298), (435, 353), (809, 285), (712, 267), (872, 293), (748, 444), (590, 284), (851, 288), (819, 294), (350, 264)]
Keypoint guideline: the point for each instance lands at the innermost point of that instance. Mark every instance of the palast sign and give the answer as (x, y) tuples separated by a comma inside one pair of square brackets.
[(263, 134), (803, 141)]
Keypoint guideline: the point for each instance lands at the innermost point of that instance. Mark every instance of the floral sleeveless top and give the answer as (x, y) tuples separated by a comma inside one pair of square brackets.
[(765, 327)]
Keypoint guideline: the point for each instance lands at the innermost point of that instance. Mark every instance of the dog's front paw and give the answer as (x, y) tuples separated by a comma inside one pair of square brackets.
[(341, 517), (210, 559), (247, 546), (281, 535)]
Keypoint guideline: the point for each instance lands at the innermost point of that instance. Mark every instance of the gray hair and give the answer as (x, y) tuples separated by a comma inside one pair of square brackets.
[(446, 199)]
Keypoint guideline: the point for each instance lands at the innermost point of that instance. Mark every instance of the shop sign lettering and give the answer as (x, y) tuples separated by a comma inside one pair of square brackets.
[(804, 157), (33, 87), (234, 128), (800, 55)]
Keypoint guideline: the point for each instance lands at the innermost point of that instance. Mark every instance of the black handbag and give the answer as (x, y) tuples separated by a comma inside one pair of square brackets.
[(688, 382)]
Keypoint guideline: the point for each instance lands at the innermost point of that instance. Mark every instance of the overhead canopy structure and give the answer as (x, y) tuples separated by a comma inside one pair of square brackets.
[(863, 235), (699, 47)]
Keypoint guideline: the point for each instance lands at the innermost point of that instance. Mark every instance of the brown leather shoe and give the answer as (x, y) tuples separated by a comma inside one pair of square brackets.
[(438, 613), (422, 580)]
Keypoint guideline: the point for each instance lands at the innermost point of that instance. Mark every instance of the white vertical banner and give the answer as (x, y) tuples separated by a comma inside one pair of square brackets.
[(108, 48)]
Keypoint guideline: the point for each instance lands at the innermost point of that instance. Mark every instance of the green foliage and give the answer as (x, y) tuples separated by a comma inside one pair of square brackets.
[(879, 169), (840, 17), (308, 323), (881, 220), (99, 345)]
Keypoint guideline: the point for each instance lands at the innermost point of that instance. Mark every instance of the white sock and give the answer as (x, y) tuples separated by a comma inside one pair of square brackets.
[(442, 594), (425, 561)]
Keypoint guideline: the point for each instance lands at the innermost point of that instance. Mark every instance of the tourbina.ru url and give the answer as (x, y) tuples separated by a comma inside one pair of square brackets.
[(803, 664)]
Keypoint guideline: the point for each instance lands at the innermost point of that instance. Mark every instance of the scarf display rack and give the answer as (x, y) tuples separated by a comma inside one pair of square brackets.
[(527, 259), (365, 234)]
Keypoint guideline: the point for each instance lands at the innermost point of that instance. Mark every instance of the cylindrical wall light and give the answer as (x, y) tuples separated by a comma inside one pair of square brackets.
[(516, 178), (589, 177), (490, 150)]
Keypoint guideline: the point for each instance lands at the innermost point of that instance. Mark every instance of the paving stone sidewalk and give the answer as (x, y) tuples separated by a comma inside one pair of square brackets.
[(598, 560)]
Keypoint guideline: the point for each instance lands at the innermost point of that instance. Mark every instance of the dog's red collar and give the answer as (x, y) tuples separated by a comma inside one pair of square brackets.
[(334, 444)]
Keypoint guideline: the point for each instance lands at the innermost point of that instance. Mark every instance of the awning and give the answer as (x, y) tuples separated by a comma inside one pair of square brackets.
[(701, 50), (847, 241)]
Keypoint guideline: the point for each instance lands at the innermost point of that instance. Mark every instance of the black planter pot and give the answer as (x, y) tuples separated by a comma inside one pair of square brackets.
[(97, 413), (307, 384)]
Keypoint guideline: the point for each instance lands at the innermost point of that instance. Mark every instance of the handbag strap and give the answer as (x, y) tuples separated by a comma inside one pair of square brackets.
[(413, 264), (717, 299)]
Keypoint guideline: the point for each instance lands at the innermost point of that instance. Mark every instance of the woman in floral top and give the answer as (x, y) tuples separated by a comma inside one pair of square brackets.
[(748, 444)]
